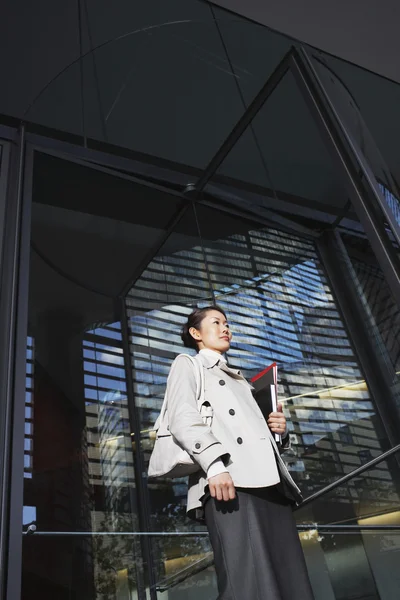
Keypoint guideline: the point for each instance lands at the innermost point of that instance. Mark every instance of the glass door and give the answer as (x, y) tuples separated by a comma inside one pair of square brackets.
[(83, 493)]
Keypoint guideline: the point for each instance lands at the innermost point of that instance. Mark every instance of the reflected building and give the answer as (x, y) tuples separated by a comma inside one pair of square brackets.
[(281, 310)]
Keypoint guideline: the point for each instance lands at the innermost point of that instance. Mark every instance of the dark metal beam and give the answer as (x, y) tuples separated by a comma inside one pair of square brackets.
[(13, 333), (350, 165), (87, 161), (138, 461), (244, 122), (340, 274), (155, 249)]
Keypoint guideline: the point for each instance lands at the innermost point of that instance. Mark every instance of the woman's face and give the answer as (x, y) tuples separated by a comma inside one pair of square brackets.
[(214, 332)]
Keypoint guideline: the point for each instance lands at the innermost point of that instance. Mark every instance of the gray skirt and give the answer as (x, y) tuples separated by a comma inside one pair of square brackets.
[(256, 546)]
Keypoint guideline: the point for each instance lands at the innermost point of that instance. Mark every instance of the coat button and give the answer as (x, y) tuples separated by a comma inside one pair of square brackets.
[(221, 382), (197, 446), (231, 411), (239, 440)]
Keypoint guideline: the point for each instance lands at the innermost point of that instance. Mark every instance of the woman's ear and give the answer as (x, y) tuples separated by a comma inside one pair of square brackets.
[(195, 333)]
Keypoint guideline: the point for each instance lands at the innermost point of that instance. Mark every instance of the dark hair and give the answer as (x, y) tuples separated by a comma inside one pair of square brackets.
[(194, 320)]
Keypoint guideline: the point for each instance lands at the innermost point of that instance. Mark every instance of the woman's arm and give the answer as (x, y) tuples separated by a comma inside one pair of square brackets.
[(185, 422)]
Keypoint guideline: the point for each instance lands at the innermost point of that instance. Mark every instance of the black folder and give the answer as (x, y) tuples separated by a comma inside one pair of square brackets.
[(266, 392)]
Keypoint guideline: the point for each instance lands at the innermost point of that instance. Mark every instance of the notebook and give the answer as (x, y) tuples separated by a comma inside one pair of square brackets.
[(266, 392)]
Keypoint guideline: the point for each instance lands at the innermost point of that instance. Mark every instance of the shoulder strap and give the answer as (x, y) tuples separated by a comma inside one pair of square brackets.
[(199, 372), (199, 375)]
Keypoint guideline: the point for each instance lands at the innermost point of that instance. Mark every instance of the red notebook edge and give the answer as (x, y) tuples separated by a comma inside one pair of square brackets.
[(263, 372)]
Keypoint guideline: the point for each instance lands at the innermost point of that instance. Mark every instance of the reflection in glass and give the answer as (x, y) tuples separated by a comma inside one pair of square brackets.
[(160, 68), (371, 498), (385, 186), (79, 456), (358, 564), (281, 164), (281, 308), (382, 310), (350, 552), (286, 313), (111, 576), (157, 305), (108, 429)]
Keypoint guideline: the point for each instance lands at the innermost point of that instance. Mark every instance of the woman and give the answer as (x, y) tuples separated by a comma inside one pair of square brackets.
[(242, 488)]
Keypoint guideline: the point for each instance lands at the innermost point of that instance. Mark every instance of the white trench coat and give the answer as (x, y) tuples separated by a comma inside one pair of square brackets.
[(238, 433)]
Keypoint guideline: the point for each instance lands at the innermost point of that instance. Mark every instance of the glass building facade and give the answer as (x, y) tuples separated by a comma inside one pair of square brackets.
[(228, 164)]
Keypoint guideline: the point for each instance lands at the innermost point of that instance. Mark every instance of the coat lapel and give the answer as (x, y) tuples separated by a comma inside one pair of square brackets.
[(234, 373)]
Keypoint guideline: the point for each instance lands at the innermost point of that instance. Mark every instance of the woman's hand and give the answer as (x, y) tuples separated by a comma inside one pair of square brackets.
[(277, 421), (221, 487)]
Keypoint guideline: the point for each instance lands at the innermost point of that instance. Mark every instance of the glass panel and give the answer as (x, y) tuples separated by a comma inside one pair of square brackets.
[(355, 553), (345, 104), (115, 571), (378, 320), (186, 576), (101, 567), (376, 99), (383, 311), (160, 85), (361, 564), (157, 305), (87, 241), (279, 299), (371, 498), (254, 51), (281, 165), (342, 565), (281, 308)]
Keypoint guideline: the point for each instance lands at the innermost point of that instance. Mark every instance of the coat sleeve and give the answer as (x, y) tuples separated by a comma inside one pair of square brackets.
[(286, 443), (185, 422)]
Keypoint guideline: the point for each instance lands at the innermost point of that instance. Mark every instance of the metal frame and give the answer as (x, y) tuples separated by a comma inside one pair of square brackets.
[(130, 161), (175, 177), (25, 187), (15, 274), (13, 302), (365, 169), (18, 226), (335, 261), (351, 165), (167, 180), (134, 418), (4, 347), (246, 119), (5, 151)]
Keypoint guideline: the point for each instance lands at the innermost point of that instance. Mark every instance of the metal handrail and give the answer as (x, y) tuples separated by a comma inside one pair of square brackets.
[(350, 475), (302, 527), (205, 562), (32, 530), (347, 528), (32, 527)]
